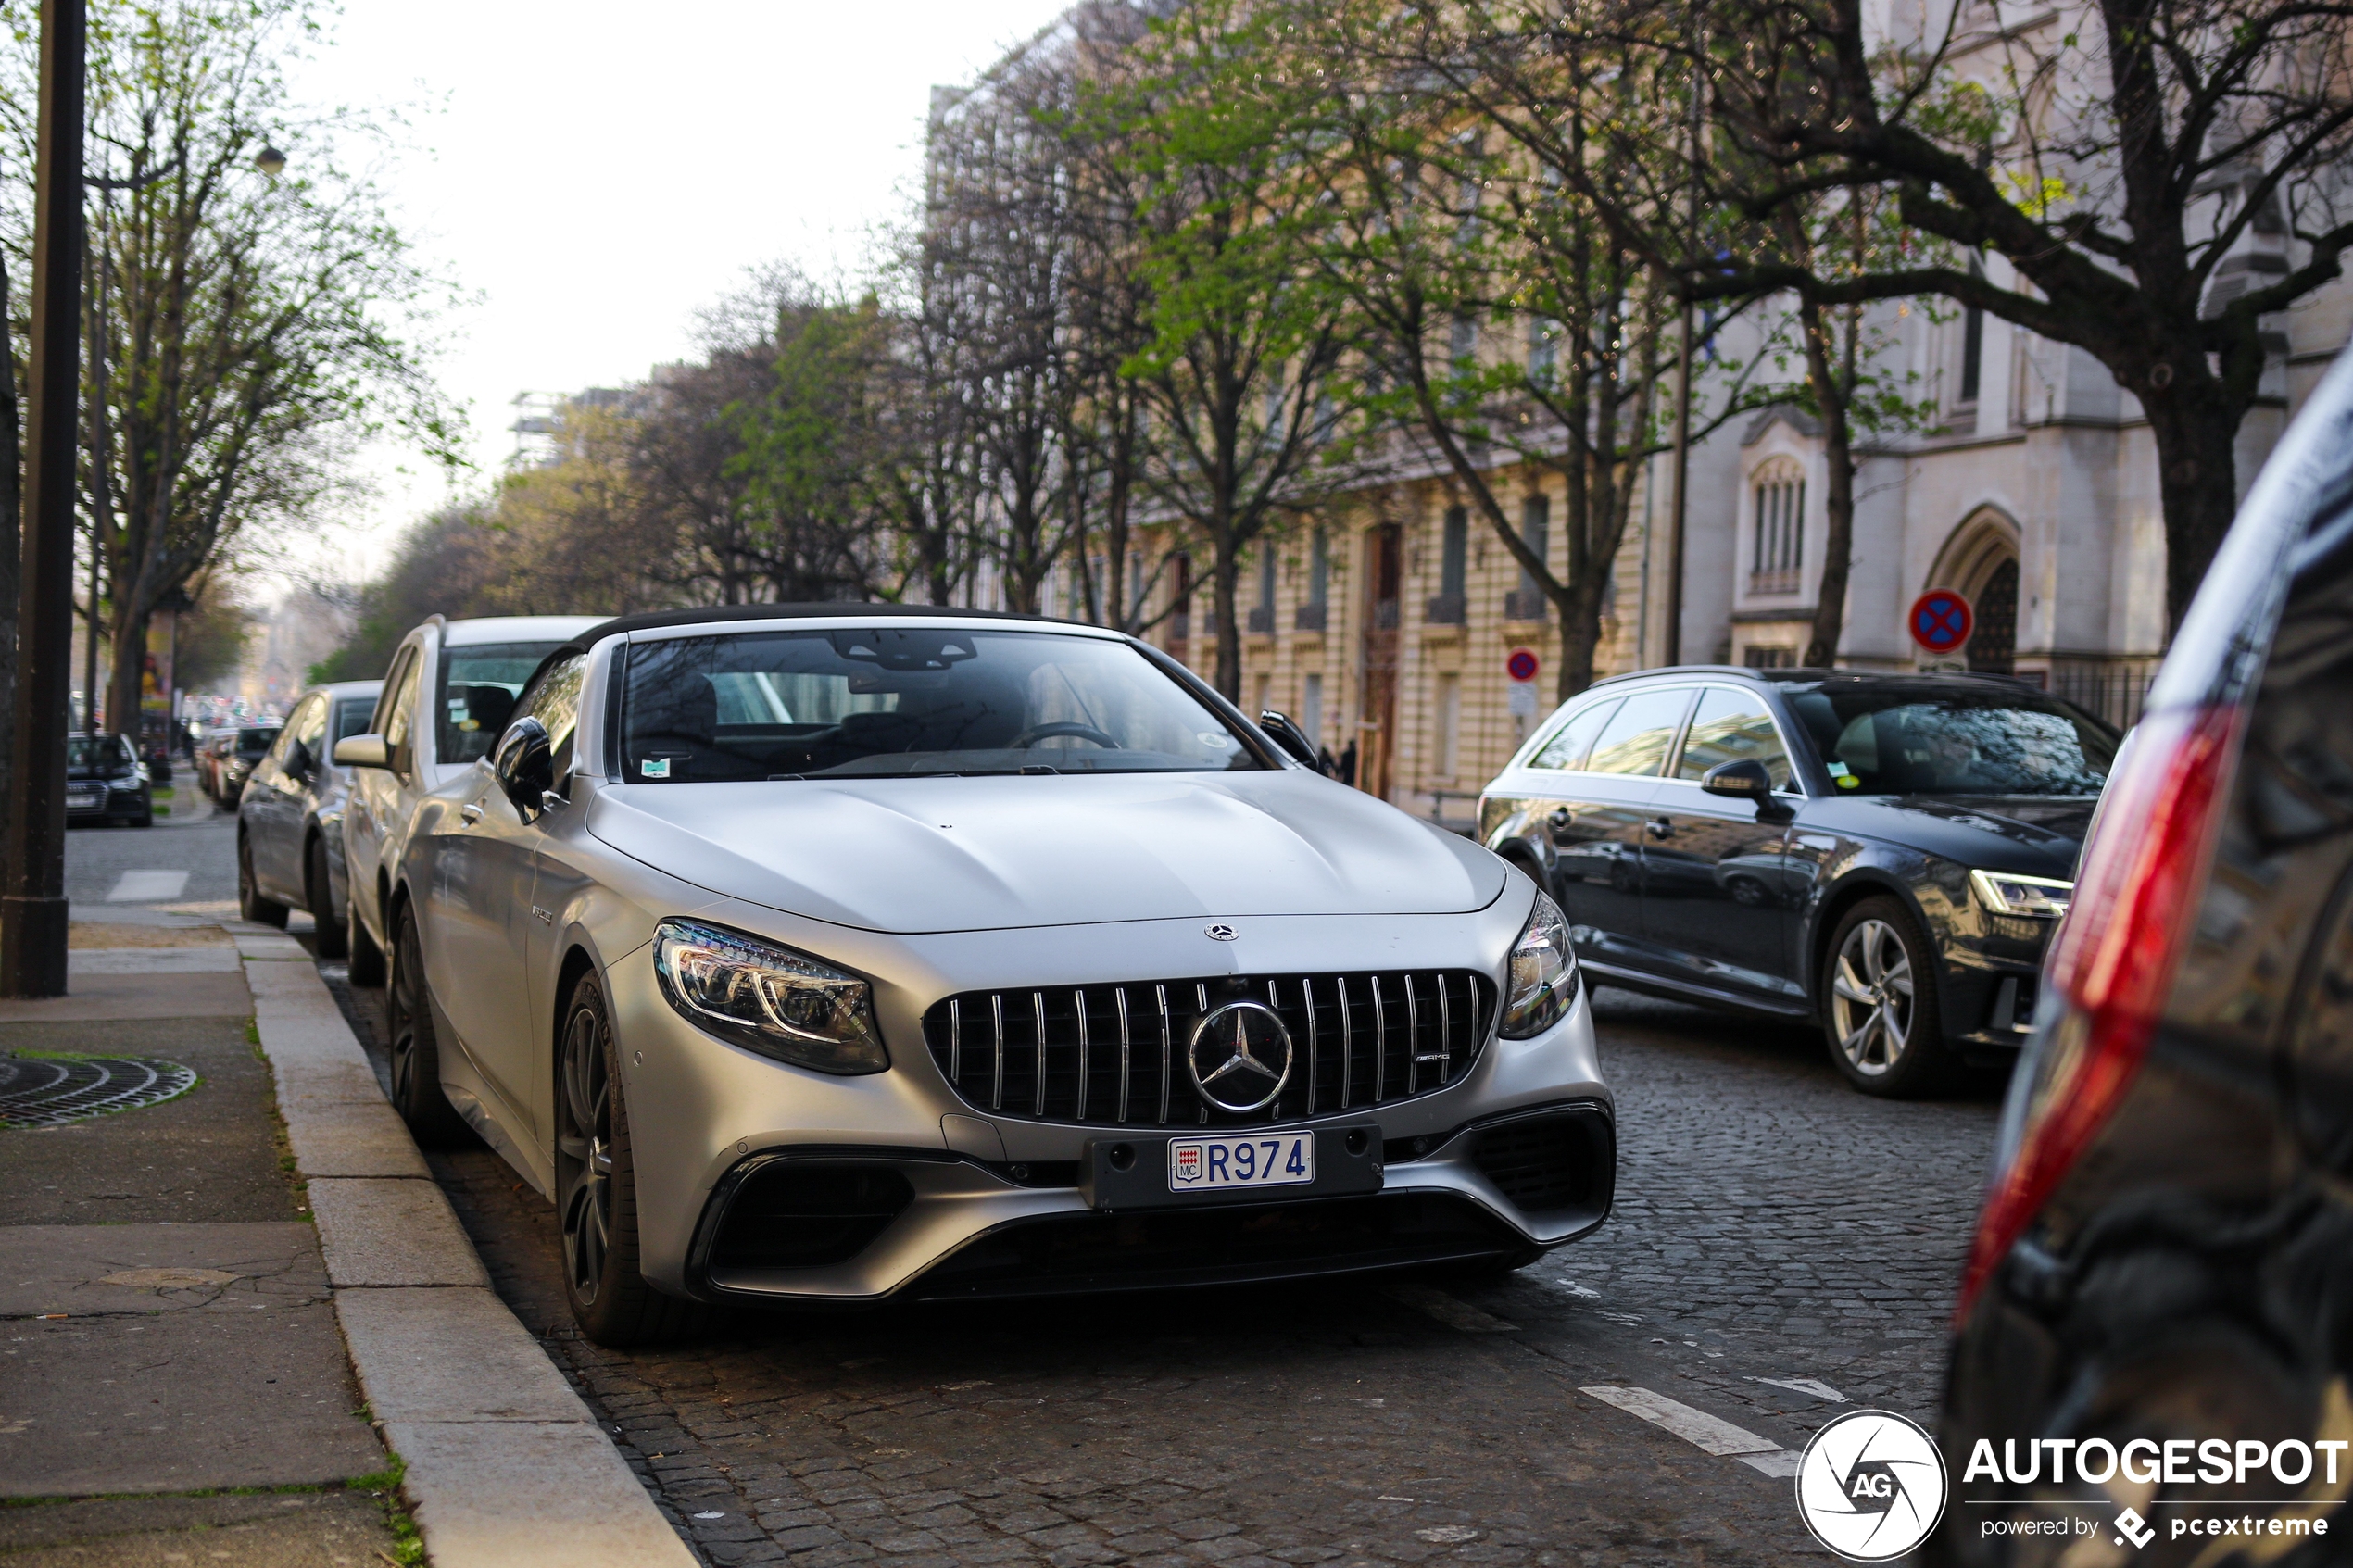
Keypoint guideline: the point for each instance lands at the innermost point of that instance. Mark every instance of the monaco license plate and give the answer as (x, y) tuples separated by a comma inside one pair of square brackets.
[(84, 799), (1224, 1163)]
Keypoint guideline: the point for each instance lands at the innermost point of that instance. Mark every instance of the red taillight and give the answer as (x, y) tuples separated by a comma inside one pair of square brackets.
[(2114, 958)]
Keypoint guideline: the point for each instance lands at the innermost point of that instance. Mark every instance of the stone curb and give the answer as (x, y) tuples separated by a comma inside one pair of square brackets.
[(507, 1468)]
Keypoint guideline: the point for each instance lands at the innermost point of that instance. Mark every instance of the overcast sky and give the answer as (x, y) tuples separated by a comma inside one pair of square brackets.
[(596, 172)]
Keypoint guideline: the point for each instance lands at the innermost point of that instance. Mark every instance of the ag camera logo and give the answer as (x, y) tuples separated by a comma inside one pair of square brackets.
[(1871, 1486)]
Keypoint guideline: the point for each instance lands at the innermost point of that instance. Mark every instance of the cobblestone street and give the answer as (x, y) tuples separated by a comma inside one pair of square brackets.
[(1780, 1243)]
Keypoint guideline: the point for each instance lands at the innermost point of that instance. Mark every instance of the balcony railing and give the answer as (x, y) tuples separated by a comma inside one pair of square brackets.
[(1446, 609), (1774, 580), (1308, 617), (1261, 620), (1524, 604)]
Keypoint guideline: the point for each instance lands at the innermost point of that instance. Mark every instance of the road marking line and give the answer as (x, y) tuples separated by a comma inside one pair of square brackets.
[(1700, 1429), (147, 887), (1453, 1313), (1812, 1387)]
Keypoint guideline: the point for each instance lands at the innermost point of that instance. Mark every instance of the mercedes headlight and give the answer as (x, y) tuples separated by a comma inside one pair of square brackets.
[(2006, 894), (1544, 974), (767, 999)]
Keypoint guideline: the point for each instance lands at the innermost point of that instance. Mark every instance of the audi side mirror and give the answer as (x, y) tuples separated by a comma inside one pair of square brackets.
[(525, 765), (1746, 780), (1290, 737), (362, 751)]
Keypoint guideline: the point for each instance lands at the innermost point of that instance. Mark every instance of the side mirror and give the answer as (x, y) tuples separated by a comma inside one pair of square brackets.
[(362, 751), (525, 764), (1290, 737), (1743, 779)]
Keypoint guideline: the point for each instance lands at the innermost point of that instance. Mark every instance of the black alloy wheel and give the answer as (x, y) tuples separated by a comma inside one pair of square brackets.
[(596, 1188), (317, 893), (416, 1049), (251, 905), (1878, 1003)]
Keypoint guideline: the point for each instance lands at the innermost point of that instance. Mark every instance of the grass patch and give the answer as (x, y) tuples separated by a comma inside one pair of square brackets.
[(407, 1545)]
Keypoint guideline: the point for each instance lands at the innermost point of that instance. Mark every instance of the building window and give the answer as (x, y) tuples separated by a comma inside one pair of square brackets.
[(1310, 615), (1527, 602), (1311, 708), (1462, 341), (1449, 607), (1450, 724), (1769, 659), (1972, 342), (1258, 687), (1543, 350), (1780, 551)]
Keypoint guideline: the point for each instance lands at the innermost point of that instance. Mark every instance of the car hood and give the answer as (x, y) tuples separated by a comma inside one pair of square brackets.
[(972, 854), (2034, 835)]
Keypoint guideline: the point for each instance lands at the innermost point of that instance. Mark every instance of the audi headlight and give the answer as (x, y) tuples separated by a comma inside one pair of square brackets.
[(767, 999), (2006, 894), (1544, 974)]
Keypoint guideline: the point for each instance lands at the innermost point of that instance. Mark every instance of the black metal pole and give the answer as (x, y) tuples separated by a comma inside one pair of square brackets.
[(32, 902)]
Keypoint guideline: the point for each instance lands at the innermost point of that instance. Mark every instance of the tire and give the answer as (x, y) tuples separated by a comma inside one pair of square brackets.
[(416, 1049), (251, 905), (367, 960), (596, 1188), (318, 891), (1878, 998)]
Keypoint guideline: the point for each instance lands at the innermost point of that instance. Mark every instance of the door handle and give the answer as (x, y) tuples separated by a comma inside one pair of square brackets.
[(1659, 827), (471, 811)]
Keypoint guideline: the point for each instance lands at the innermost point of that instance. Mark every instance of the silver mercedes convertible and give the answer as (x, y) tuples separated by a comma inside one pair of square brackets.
[(833, 953)]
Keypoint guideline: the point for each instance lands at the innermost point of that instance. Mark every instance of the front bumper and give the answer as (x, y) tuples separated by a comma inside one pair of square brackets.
[(95, 801), (757, 1180)]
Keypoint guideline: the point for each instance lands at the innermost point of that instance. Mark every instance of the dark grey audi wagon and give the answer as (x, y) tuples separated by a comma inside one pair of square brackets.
[(1886, 853)]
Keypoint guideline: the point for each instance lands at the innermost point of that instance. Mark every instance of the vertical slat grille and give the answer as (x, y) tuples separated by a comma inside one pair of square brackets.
[(1089, 1054)]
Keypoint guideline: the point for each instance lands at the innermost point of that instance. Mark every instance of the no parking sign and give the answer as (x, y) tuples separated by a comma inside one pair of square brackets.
[(1941, 621), (1520, 699)]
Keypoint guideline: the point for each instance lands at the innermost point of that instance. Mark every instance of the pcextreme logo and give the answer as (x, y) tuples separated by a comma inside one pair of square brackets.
[(1871, 1486)]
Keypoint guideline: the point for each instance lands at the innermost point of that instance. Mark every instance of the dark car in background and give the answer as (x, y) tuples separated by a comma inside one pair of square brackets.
[(106, 782), (2166, 1250), (290, 821), (1887, 853), (235, 761)]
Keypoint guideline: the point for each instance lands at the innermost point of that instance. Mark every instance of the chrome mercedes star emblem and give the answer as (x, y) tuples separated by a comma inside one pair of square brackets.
[(1221, 932), (1240, 1057)]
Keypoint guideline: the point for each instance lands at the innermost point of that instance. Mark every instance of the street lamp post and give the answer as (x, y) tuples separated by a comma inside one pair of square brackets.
[(32, 902)]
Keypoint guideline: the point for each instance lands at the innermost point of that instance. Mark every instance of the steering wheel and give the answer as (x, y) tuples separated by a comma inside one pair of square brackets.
[(1037, 732)]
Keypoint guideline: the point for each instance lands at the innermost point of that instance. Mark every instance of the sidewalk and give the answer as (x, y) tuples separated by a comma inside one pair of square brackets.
[(196, 1371)]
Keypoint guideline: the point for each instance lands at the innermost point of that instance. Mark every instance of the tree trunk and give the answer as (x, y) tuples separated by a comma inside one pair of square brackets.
[(1229, 640), (2196, 431), (129, 643), (11, 501), (1833, 383)]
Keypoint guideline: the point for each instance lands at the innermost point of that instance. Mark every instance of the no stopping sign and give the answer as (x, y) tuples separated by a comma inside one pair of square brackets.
[(1941, 621)]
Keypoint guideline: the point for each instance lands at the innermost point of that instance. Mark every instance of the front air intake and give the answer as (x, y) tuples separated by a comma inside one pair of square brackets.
[(800, 1215)]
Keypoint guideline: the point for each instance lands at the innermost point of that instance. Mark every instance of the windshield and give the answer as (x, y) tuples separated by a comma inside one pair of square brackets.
[(479, 685), (909, 702), (96, 754), (254, 742), (1918, 738)]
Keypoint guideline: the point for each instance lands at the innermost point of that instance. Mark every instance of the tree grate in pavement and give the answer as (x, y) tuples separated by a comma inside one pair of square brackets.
[(44, 1090)]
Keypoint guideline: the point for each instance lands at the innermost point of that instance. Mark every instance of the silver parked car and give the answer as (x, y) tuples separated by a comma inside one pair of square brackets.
[(290, 816), (446, 694), (842, 952)]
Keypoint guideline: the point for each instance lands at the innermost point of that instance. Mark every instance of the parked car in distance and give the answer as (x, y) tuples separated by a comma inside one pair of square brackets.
[(106, 782), (875, 951), (290, 821), (2166, 1248), (446, 696), (1885, 853), (246, 747), (216, 746)]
